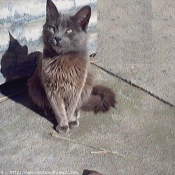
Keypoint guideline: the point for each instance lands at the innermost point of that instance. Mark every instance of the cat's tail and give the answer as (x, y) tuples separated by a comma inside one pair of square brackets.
[(101, 100)]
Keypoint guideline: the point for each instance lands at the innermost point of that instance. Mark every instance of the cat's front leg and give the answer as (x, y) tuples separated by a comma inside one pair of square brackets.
[(57, 104), (73, 121), (77, 113), (74, 124), (73, 113)]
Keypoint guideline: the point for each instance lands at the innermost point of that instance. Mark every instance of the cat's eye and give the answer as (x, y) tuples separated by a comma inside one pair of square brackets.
[(52, 29), (69, 31)]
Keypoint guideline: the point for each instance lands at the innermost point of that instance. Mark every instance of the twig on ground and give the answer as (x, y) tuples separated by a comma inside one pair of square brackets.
[(99, 152), (8, 97), (84, 144)]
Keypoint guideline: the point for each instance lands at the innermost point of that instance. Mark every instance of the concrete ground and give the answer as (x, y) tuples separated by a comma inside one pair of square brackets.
[(139, 135)]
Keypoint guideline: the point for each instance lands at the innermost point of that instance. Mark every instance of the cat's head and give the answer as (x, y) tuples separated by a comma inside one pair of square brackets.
[(64, 33)]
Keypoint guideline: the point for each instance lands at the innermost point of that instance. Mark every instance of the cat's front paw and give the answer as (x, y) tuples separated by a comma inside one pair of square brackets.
[(73, 124), (62, 129)]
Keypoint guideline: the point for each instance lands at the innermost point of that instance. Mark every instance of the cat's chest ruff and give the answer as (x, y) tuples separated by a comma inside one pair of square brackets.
[(64, 72)]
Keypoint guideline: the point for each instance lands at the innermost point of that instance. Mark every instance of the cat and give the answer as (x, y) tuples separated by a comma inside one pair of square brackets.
[(61, 83)]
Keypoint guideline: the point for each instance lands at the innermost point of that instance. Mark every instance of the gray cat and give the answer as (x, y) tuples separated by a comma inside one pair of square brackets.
[(61, 83)]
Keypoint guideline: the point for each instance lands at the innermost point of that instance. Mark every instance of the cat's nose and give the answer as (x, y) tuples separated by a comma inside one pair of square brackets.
[(58, 39)]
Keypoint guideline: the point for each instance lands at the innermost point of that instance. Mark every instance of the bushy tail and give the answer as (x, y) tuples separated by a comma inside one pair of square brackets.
[(102, 98)]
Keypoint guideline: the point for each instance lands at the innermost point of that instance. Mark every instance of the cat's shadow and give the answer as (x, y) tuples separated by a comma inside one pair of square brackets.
[(16, 67)]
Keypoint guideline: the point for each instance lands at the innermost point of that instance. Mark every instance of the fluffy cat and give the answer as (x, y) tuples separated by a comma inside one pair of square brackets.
[(61, 83)]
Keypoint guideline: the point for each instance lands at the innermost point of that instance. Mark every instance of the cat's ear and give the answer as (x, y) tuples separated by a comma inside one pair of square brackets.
[(82, 16), (51, 11)]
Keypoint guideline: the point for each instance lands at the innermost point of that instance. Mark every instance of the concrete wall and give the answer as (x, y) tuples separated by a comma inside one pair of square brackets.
[(24, 20)]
